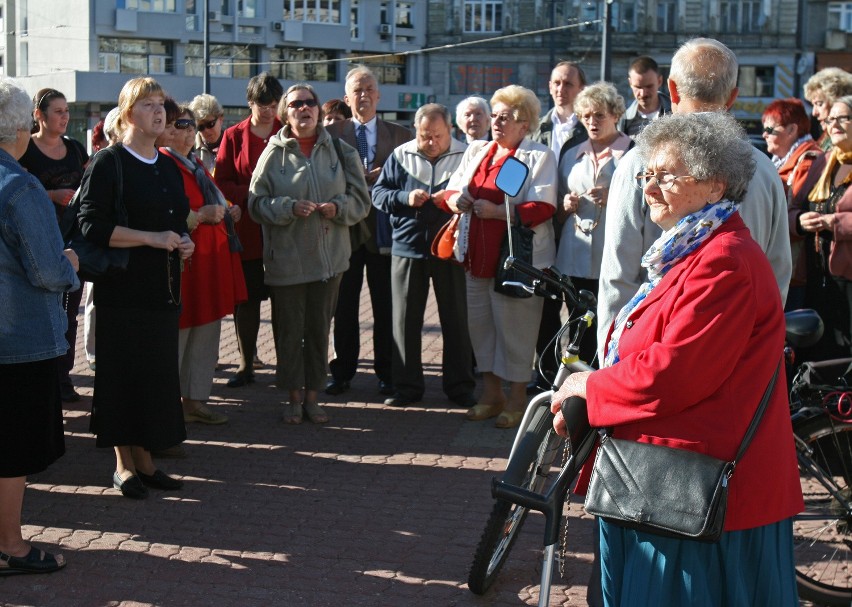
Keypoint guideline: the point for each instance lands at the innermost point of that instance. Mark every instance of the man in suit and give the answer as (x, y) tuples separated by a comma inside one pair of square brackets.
[(560, 130), (645, 81), (375, 140)]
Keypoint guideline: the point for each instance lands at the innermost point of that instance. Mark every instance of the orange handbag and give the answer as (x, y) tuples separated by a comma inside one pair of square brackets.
[(445, 239)]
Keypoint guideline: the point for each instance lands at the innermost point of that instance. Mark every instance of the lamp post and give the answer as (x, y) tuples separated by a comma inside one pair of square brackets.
[(606, 52), (206, 48)]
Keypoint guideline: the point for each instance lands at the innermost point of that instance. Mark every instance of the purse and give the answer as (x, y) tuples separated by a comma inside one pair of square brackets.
[(445, 239), (96, 262), (663, 490), (522, 247)]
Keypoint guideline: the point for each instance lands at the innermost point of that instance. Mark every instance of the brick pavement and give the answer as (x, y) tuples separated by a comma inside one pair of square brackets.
[(380, 507)]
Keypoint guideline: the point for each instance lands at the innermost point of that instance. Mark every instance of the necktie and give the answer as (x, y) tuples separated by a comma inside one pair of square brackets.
[(361, 140)]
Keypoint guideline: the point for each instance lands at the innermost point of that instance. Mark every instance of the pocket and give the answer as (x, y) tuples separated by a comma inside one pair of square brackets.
[(674, 443)]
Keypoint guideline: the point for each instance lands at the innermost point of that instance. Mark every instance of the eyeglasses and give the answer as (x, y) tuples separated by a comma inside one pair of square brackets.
[(663, 179), (502, 117), (298, 104), (771, 130), (184, 123), (840, 120), (203, 126)]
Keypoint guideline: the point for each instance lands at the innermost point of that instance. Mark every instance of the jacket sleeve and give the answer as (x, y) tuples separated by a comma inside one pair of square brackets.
[(265, 206), (843, 217), (97, 204), (226, 175), (354, 205), (621, 270), (706, 332), (388, 193)]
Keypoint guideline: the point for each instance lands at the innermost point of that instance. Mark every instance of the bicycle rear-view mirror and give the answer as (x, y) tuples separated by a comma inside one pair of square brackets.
[(512, 176)]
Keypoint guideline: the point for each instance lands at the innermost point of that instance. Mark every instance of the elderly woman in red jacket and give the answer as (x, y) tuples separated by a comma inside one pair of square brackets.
[(687, 362)]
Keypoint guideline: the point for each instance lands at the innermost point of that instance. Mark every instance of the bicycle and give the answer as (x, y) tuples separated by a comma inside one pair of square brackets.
[(823, 435)]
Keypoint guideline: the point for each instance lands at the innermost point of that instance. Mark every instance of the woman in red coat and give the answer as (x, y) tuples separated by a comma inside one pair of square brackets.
[(241, 147), (688, 360)]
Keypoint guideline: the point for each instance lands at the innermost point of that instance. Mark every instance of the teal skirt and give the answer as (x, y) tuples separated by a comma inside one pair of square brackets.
[(748, 568)]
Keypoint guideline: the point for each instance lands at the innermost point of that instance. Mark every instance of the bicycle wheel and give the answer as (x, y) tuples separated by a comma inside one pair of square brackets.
[(528, 468), (822, 533)]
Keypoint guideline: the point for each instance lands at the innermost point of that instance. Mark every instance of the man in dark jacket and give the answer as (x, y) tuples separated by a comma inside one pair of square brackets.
[(374, 139), (416, 173), (645, 81)]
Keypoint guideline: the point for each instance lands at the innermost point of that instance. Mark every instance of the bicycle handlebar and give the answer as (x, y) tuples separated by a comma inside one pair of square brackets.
[(581, 301)]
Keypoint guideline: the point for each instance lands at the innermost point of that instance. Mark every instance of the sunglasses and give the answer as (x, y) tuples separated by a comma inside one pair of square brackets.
[(298, 104), (184, 123), (203, 126)]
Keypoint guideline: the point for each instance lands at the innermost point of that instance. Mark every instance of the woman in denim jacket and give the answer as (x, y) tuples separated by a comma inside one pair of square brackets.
[(34, 274)]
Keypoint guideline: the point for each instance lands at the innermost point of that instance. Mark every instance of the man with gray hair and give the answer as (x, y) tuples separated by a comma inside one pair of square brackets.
[(473, 118), (412, 178), (703, 78)]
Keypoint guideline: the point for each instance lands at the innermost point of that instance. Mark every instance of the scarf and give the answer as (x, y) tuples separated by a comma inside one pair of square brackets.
[(687, 235), (779, 162), (211, 194), (822, 190)]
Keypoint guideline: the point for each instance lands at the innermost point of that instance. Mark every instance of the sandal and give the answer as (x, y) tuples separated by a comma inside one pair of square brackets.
[(509, 419), (293, 413), (315, 413), (480, 412), (37, 561)]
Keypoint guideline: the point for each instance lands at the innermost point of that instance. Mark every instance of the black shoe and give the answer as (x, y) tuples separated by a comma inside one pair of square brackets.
[(386, 388), (398, 400), (132, 487), (159, 480), (68, 394), (242, 378), (465, 401), (336, 386)]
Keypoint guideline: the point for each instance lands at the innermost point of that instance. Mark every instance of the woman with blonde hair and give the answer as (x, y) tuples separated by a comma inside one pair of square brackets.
[(503, 329), (136, 407)]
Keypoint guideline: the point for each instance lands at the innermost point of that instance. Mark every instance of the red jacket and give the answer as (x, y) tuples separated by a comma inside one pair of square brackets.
[(695, 362), (238, 155)]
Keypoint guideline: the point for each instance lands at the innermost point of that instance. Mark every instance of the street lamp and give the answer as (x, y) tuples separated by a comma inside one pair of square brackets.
[(606, 52)]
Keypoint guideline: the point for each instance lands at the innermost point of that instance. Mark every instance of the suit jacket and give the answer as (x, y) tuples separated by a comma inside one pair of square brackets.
[(695, 361), (389, 136), (544, 134)]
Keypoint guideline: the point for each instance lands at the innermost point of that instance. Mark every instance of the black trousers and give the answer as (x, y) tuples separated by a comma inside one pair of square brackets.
[(347, 329)]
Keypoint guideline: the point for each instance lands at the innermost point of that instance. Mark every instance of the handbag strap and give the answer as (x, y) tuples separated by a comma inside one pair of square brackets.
[(119, 211), (755, 421)]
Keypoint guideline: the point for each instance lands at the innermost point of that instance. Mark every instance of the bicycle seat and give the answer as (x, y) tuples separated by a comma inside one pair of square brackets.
[(804, 327)]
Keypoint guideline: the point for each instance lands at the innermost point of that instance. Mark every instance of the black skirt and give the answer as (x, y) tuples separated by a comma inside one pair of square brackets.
[(137, 383), (31, 434)]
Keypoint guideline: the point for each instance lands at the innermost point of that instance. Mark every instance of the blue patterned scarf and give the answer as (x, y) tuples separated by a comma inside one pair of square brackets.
[(672, 246)]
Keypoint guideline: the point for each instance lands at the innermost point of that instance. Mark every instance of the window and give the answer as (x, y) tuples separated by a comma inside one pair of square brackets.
[(623, 16), (478, 78), (388, 70), (589, 12), (756, 81), (404, 14), (840, 16), (247, 8), (302, 64), (226, 61), (483, 16), (740, 16), (315, 11), (666, 16), (354, 20), (154, 6), (134, 56)]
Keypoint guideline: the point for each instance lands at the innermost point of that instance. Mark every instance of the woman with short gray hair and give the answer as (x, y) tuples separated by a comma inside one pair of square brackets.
[(473, 118), (36, 272)]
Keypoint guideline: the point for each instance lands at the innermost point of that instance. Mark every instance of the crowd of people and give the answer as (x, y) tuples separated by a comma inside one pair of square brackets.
[(690, 237)]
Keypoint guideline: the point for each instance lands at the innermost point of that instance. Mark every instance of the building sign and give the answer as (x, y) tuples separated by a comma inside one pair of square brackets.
[(411, 101), (476, 78)]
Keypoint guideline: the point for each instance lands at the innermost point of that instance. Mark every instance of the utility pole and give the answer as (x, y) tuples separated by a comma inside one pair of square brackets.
[(206, 48), (606, 51)]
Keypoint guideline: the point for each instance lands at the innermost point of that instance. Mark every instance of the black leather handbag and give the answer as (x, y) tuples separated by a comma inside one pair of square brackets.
[(96, 262), (665, 491), (522, 247)]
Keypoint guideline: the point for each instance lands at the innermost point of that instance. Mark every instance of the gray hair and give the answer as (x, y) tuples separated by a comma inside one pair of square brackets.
[(357, 72), (600, 95), (205, 106), (109, 125), (474, 100), (845, 100), (16, 110), (712, 145), (432, 110), (705, 70)]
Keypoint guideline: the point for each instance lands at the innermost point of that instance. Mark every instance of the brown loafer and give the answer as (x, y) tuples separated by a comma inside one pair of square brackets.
[(479, 412)]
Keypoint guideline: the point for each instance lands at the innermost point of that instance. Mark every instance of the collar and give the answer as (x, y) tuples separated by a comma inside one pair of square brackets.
[(370, 124), (567, 123), (617, 148)]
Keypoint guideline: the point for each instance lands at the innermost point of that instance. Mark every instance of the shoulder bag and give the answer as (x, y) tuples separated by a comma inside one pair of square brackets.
[(522, 246), (662, 490), (97, 262), (445, 239)]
